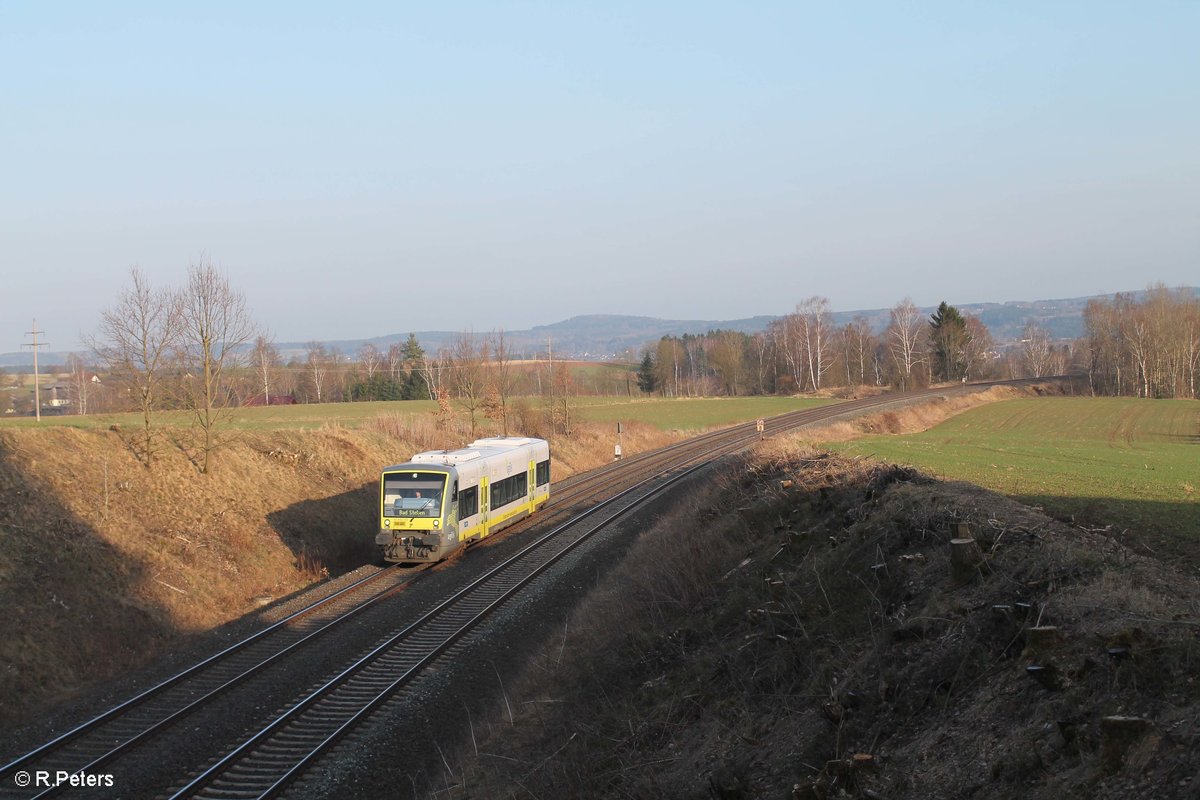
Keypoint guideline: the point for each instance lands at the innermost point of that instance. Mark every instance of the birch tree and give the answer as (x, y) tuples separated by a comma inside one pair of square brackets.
[(81, 382), (317, 365), (1036, 350), (266, 361), (816, 327), (857, 345), (904, 336), (370, 359)]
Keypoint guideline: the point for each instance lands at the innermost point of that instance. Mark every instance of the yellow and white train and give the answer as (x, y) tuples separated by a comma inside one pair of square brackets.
[(444, 499)]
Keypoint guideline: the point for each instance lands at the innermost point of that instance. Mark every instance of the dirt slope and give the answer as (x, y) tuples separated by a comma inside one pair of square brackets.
[(801, 633)]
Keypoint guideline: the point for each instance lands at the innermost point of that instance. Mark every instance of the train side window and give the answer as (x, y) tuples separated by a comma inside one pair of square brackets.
[(454, 492), (543, 472), (509, 490), (468, 502)]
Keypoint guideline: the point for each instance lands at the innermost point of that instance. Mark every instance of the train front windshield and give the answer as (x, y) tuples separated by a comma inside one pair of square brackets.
[(413, 494)]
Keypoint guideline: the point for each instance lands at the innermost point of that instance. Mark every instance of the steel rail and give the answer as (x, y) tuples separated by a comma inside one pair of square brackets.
[(139, 701), (230, 683)]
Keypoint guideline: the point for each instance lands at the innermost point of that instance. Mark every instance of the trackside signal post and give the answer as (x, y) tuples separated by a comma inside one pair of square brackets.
[(759, 425), (617, 449)]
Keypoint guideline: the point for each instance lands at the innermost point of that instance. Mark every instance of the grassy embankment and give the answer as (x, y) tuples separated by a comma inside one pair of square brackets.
[(1133, 464), (104, 564)]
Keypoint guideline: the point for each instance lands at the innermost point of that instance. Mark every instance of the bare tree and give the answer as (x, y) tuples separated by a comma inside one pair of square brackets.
[(1189, 329), (468, 375), (789, 344), (370, 359), (501, 379), (763, 360), (81, 382), (433, 370), (979, 350), (1102, 321), (728, 358), (561, 404), (1036, 350), (815, 329), (1148, 348), (904, 340), (266, 362), (857, 342), (395, 361), (134, 343), (339, 374), (216, 325), (318, 365)]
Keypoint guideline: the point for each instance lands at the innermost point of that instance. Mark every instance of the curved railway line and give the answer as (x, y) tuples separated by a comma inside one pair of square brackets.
[(292, 737)]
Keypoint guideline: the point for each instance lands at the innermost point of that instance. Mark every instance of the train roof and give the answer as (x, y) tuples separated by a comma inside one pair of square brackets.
[(505, 441), (448, 456), (480, 448)]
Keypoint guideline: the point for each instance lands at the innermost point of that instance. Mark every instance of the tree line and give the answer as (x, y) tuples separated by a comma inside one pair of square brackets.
[(196, 349), (1146, 348), (805, 352)]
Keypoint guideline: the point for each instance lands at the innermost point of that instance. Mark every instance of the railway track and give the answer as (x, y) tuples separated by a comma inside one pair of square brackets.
[(266, 762)]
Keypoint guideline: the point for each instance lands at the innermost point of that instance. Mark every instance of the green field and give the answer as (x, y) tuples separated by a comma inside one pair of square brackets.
[(1127, 462), (667, 414)]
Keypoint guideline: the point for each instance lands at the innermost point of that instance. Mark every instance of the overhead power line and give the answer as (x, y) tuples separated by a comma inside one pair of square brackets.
[(37, 394)]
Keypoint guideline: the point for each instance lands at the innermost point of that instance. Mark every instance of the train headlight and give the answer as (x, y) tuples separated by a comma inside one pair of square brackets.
[(387, 523), (437, 523)]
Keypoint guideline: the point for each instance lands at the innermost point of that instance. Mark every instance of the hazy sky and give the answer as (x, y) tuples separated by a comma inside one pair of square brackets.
[(381, 168)]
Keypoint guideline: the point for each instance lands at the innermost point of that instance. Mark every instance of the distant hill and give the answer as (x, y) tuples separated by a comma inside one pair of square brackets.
[(593, 336), (604, 336)]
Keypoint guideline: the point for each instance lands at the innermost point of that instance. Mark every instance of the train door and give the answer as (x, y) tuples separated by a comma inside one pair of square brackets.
[(484, 503), (530, 482)]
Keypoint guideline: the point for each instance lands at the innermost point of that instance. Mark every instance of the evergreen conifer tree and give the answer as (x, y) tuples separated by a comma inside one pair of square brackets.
[(949, 339), (645, 376)]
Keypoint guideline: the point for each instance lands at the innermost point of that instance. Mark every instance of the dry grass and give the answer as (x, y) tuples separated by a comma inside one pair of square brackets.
[(912, 419)]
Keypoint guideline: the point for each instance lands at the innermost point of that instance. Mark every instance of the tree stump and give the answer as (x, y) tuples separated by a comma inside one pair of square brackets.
[(1042, 640), (861, 761), (965, 558), (1117, 736)]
